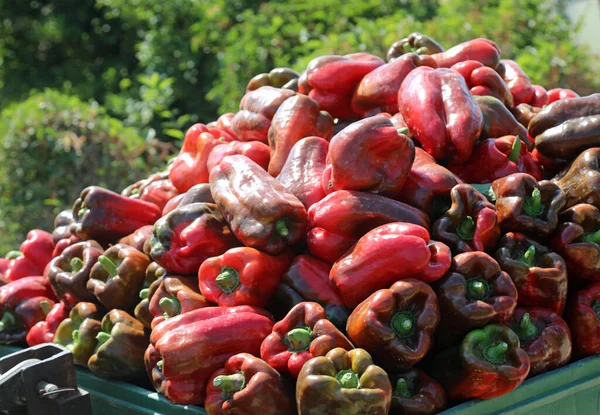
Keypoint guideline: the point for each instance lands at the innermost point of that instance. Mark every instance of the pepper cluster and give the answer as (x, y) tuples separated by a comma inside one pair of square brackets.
[(366, 237)]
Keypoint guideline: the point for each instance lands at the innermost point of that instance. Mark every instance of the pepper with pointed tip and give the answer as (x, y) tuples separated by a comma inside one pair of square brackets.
[(581, 179), (154, 272), (304, 333), (44, 331), (78, 332), (415, 393), (343, 383), (583, 316)]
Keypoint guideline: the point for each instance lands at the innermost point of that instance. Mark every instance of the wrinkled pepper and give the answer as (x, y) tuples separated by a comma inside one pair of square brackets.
[(517, 81), (480, 50), (539, 274), (583, 317), (304, 333), (247, 385), (255, 150), (302, 172), (373, 262), (488, 363), (343, 383), (415, 393), (199, 193), (78, 332), (107, 216), (43, 331), (260, 211), (484, 81), (498, 121), (138, 238), (581, 180), (157, 189), (339, 220), (296, 118), (154, 273), (526, 205), (557, 94), (414, 43), (188, 235), (186, 350), (471, 223), (117, 277), (174, 295), (544, 336), (440, 112), (396, 325), (277, 78), (524, 113), (32, 258)]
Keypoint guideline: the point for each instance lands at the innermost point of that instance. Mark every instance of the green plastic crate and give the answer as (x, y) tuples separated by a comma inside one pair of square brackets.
[(571, 390)]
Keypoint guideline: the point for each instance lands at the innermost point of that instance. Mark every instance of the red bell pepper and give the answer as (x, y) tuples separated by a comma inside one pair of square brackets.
[(369, 155), (481, 50), (223, 124), (199, 193), (298, 117), (62, 235), (43, 331), (517, 80), (172, 296), (414, 43), (483, 81), (304, 333), (35, 254), (540, 97), (583, 316), (498, 121), (440, 112), (255, 150), (496, 158), (138, 238), (373, 263), (561, 93), (157, 189), (415, 393), (338, 221), (186, 350)]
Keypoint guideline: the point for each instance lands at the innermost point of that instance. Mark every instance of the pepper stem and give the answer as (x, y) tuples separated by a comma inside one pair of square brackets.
[(403, 324), (281, 228), (515, 150), (403, 130), (144, 293), (478, 289), (533, 205), (76, 264), (527, 330), (348, 379), (45, 306), (466, 228), (13, 254), (159, 365), (170, 305), (593, 237), (230, 384), (528, 257), (108, 265), (596, 308), (228, 280), (75, 336), (298, 339), (402, 388), (486, 190), (496, 354), (8, 321), (82, 211), (102, 338)]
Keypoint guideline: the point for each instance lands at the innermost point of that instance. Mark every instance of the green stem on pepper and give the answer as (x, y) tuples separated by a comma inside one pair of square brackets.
[(403, 324), (402, 388), (228, 280), (8, 321), (466, 228), (13, 254), (348, 379), (298, 339), (496, 353), (515, 150), (76, 264), (108, 265), (527, 330), (230, 384), (171, 306), (528, 257), (533, 204), (478, 289), (593, 237)]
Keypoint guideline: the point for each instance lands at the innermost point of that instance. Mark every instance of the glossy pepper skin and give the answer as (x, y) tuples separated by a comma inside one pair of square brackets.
[(43, 331), (484, 81), (257, 109), (339, 220), (440, 112), (526, 205), (174, 295), (304, 333), (557, 94), (70, 271), (397, 324), (119, 353), (62, 235), (138, 238), (302, 172), (157, 189), (378, 90), (247, 385), (22, 305), (415, 42), (33, 256), (369, 155), (297, 117), (260, 211), (343, 382), (524, 113), (428, 185), (191, 346), (581, 180), (539, 274), (495, 158), (540, 97), (481, 50), (584, 321), (567, 127), (372, 263), (471, 223), (255, 150), (544, 336), (498, 121), (242, 276), (106, 216), (278, 78), (577, 241), (517, 81), (475, 292), (307, 279), (78, 332), (199, 193), (117, 277), (188, 235), (488, 363), (415, 393), (154, 272), (223, 124)]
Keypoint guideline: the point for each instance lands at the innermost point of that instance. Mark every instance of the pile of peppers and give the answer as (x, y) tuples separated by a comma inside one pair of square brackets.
[(368, 236)]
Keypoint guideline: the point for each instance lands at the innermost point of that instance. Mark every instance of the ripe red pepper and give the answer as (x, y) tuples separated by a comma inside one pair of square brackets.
[(373, 263), (138, 238), (302, 172), (255, 150), (157, 189), (304, 333), (223, 124), (296, 118), (378, 90), (484, 81), (415, 393), (495, 158), (498, 121), (199, 193), (174, 295), (540, 97), (152, 279), (415, 42), (260, 211), (481, 50), (517, 80), (107, 216), (186, 350), (34, 255), (561, 93), (257, 109), (62, 235), (338, 221), (440, 112), (43, 331), (583, 316)]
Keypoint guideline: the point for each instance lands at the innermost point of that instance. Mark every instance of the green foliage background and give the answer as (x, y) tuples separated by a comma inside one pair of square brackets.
[(150, 68)]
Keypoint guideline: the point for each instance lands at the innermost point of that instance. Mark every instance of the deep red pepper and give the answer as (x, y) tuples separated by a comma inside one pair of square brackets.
[(583, 316), (517, 80), (255, 150), (43, 331), (199, 193), (138, 238), (498, 121), (480, 49), (484, 81), (62, 235), (540, 97), (223, 124), (36, 252), (157, 189), (561, 93), (174, 295), (415, 42), (415, 393)]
